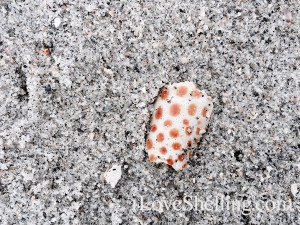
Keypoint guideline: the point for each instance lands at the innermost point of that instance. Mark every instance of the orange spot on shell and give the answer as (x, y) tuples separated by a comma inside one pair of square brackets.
[(189, 143), (184, 165), (188, 131), (197, 94), (182, 90), (181, 157), (159, 113), (192, 109), (186, 122), (153, 128), (152, 157), (149, 144), (170, 162), (168, 123), (204, 111), (176, 146), (198, 130), (174, 133), (160, 137), (46, 51), (163, 150), (190, 153), (164, 93), (175, 109)]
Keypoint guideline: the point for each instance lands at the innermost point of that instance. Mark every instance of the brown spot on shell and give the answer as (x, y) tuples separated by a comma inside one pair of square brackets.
[(186, 122), (204, 111), (182, 91), (168, 123), (175, 109), (198, 130), (176, 146), (160, 137), (163, 150), (152, 157), (46, 51), (159, 113), (181, 157), (174, 133), (196, 93), (192, 109), (153, 128), (149, 144), (170, 162), (164, 93)]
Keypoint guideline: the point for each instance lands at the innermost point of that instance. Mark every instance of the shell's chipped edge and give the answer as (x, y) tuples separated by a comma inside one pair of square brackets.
[(180, 118), (113, 175)]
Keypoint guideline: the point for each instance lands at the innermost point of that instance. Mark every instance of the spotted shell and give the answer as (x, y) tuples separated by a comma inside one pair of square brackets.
[(181, 115)]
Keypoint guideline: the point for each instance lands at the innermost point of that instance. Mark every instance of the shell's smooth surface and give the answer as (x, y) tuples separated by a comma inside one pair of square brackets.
[(180, 118), (113, 175)]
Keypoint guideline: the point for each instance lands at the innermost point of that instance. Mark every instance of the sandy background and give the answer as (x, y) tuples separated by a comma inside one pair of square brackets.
[(77, 85)]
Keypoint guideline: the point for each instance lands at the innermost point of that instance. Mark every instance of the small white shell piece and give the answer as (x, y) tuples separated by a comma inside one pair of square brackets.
[(181, 115), (294, 189), (113, 175)]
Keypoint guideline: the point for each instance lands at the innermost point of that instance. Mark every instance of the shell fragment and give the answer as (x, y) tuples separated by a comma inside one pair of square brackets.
[(180, 118), (113, 175)]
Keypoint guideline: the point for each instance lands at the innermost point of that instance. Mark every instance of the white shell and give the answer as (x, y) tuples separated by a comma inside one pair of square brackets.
[(57, 22), (294, 189), (113, 175), (180, 118)]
